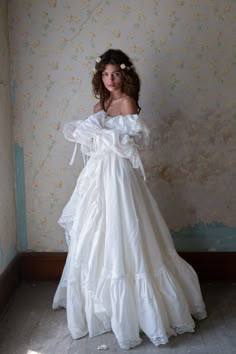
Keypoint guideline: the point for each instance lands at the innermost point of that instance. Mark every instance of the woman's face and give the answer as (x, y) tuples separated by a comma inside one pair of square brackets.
[(112, 78)]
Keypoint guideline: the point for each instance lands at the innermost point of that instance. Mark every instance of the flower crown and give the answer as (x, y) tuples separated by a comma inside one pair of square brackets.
[(122, 66)]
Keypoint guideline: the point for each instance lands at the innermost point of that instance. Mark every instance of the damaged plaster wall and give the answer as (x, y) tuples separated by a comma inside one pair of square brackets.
[(185, 53)]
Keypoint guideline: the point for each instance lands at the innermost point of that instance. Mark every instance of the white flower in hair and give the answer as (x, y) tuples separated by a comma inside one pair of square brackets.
[(94, 70), (98, 60), (122, 66)]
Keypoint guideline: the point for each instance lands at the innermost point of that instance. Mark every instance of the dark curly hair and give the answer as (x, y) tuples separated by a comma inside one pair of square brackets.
[(130, 78)]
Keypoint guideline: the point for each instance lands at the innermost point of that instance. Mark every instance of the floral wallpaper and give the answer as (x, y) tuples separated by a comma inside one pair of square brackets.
[(185, 53), (8, 241)]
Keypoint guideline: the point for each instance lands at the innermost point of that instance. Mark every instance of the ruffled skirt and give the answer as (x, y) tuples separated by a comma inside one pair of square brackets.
[(122, 271)]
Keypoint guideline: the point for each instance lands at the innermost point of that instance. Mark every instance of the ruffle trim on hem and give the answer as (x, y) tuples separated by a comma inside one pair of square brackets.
[(155, 305)]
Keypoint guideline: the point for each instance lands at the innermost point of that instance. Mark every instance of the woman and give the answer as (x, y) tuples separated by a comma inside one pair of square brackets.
[(122, 271)]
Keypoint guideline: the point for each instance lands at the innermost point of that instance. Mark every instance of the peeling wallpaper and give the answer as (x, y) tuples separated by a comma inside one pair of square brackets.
[(185, 53), (8, 241)]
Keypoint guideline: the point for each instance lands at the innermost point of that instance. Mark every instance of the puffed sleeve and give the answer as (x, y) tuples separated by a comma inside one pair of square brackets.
[(138, 129), (69, 129), (125, 136), (135, 127), (82, 132)]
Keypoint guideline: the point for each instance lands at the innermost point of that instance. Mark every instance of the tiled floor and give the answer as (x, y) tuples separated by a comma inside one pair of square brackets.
[(30, 326)]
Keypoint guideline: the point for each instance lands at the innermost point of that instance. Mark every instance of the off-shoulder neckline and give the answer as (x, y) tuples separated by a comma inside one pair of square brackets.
[(112, 117)]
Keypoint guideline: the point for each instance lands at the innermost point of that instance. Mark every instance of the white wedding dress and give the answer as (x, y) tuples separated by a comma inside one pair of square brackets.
[(122, 271)]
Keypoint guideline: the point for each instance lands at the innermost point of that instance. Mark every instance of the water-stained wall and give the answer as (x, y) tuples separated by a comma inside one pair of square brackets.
[(7, 189), (185, 53)]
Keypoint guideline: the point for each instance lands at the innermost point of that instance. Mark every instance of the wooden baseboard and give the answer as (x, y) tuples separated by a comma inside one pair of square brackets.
[(210, 266), (42, 265), (9, 280)]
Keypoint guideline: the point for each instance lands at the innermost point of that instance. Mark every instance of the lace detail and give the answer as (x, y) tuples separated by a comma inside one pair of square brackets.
[(130, 343), (159, 340), (182, 329)]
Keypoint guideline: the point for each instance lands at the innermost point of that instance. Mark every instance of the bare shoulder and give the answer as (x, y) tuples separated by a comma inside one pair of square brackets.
[(97, 107), (128, 106)]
